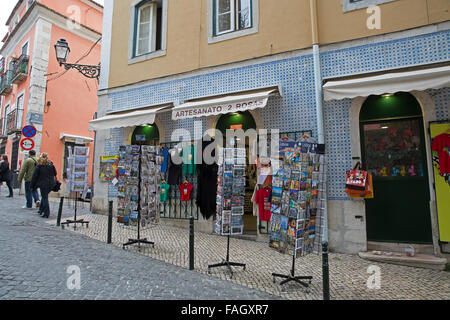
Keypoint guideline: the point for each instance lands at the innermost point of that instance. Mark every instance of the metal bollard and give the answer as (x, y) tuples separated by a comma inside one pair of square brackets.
[(325, 272), (191, 243), (58, 218), (110, 216)]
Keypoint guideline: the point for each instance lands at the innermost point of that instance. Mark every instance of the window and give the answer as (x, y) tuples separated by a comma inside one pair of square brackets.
[(350, 5), (229, 19), (25, 49), (5, 120), (19, 111), (232, 15), (146, 28)]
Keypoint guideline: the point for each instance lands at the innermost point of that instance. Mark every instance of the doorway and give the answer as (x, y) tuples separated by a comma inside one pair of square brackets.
[(243, 120), (145, 135), (393, 151)]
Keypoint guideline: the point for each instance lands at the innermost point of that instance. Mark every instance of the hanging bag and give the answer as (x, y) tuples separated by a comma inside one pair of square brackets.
[(366, 194), (356, 179)]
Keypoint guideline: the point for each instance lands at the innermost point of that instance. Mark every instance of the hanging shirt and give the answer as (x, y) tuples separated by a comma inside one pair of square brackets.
[(174, 176), (441, 144), (263, 197), (189, 160), (164, 191), (185, 190), (165, 163)]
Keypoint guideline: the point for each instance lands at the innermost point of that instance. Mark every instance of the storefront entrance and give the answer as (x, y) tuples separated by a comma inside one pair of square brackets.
[(393, 151), (145, 135), (244, 121)]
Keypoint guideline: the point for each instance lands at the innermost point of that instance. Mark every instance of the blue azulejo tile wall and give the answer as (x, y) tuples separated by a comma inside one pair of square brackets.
[(423, 49), (441, 99), (295, 110)]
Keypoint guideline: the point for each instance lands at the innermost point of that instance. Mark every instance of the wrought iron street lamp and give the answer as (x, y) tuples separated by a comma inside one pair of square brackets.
[(62, 52)]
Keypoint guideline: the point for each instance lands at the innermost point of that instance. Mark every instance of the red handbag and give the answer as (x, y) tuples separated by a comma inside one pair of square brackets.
[(356, 179)]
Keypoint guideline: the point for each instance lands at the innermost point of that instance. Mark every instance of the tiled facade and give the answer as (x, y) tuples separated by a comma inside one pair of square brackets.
[(295, 111)]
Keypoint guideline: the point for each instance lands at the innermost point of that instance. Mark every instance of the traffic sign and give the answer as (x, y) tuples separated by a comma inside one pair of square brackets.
[(27, 144), (29, 131)]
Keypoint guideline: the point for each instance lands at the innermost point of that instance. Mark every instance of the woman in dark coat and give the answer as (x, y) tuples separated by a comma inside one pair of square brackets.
[(44, 178), (5, 174)]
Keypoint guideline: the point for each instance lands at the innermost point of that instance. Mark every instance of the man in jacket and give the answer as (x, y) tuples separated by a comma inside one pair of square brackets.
[(26, 173)]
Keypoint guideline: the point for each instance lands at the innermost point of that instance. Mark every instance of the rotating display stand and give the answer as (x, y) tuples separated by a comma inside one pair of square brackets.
[(227, 263), (230, 200), (139, 184), (297, 204), (77, 174)]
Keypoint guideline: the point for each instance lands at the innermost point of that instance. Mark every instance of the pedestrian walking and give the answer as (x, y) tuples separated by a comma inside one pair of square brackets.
[(6, 174), (44, 178), (26, 174)]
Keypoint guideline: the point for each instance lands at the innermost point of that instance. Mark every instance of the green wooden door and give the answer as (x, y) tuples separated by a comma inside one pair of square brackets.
[(393, 151)]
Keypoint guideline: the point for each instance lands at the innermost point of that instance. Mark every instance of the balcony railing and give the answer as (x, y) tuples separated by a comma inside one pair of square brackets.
[(14, 121), (5, 83), (20, 69)]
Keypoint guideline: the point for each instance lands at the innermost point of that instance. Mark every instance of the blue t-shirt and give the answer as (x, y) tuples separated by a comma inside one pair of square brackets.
[(165, 154)]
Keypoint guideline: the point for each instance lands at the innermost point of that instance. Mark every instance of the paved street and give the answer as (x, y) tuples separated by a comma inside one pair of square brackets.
[(35, 254), (348, 273), (34, 257)]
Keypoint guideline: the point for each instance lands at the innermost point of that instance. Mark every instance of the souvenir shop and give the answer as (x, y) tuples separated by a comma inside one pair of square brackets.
[(189, 189), (289, 189)]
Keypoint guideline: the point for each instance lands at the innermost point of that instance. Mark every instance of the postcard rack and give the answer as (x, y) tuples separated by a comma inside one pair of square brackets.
[(139, 184), (230, 199), (297, 204), (77, 179)]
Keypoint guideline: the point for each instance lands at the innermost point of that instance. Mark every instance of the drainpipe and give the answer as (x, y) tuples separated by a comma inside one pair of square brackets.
[(93, 167), (321, 140)]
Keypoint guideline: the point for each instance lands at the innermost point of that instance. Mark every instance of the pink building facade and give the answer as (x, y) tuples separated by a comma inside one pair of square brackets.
[(36, 90)]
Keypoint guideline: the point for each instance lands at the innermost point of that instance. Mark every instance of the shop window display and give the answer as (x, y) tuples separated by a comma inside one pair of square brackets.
[(393, 149)]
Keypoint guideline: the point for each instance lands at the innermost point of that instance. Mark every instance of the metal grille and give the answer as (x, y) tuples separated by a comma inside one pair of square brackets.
[(174, 208)]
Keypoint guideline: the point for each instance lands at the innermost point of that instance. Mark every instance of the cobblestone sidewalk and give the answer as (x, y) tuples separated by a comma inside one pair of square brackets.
[(35, 256), (348, 273)]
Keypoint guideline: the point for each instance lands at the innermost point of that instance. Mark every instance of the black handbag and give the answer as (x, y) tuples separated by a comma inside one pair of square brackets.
[(57, 186)]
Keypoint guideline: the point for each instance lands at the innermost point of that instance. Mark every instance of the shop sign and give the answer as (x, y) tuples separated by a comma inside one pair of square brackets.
[(204, 111)]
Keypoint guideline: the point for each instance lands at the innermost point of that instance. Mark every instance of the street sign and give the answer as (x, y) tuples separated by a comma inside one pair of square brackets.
[(27, 144), (29, 131)]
